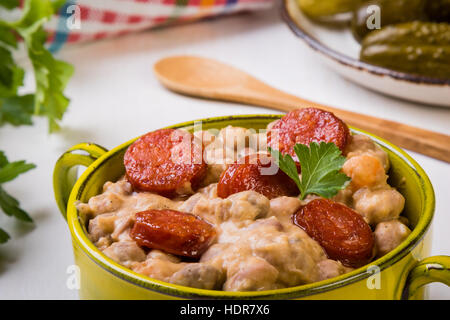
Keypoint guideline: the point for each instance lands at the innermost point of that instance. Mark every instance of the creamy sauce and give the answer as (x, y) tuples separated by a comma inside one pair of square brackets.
[(257, 247)]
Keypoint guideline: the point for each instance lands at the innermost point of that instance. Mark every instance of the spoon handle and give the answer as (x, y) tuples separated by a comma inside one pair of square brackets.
[(211, 79), (419, 140)]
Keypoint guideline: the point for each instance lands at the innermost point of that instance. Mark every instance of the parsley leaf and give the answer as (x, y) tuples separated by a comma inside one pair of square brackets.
[(3, 159), (9, 4), (321, 165), (51, 75), (286, 164), (10, 205), (11, 76), (17, 110), (7, 36), (4, 237), (12, 169)]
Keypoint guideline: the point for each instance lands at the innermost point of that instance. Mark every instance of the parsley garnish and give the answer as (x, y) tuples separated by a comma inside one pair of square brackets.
[(320, 165)]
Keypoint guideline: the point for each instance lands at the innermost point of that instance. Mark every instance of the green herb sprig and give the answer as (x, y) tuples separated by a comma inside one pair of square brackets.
[(51, 75), (320, 168), (48, 100)]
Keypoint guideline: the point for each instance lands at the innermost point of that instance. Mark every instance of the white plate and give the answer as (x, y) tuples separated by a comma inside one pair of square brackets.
[(340, 51)]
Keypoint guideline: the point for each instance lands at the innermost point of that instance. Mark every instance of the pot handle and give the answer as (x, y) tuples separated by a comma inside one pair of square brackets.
[(64, 178), (432, 269)]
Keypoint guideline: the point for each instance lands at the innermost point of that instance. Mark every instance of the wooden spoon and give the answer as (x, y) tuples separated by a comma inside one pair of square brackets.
[(211, 79)]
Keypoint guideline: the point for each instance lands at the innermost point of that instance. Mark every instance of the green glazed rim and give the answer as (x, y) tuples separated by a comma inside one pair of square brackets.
[(83, 242)]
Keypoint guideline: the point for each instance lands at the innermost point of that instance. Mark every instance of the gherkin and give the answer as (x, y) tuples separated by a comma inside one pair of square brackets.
[(390, 12), (421, 48)]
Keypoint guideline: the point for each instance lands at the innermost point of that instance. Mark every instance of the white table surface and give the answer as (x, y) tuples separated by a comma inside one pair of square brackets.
[(116, 97)]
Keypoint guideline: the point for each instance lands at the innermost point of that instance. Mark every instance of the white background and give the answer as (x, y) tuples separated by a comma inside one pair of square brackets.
[(116, 97)]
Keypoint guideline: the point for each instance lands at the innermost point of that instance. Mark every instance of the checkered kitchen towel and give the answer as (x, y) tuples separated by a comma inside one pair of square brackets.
[(84, 20)]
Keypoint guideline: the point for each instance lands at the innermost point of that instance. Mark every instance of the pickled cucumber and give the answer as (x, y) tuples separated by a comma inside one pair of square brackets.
[(317, 9), (421, 48), (391, 12)]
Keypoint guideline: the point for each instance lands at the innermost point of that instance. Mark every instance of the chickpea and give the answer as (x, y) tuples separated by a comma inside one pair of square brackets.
[(101, 226), (329, 269), (365, 171), (344, 196), (378, 205), (125, 252), (106, 202), (234, 138), (199, 275), (206, 137), (389, 234), (216, 154), (360, 144), (258, 142), (254, 273)]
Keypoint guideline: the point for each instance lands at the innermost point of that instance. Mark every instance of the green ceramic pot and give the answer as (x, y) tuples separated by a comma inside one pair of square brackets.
[(399, 274)]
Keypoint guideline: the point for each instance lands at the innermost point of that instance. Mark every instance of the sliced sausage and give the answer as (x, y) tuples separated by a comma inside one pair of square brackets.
[(173, 231), (304, 126), (165, 161), (256, 172), (342, 232)]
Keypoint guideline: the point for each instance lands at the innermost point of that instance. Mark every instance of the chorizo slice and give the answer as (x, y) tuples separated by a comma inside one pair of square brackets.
[(174, 232), (165, 161), (257, 172), (304, 126), (342, 232)]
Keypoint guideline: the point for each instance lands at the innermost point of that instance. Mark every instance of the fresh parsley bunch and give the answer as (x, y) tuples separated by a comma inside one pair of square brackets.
[(51, 77), (320, 164)]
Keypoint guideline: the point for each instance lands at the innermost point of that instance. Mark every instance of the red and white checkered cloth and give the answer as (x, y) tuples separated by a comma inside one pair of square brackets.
[(84, 20)]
